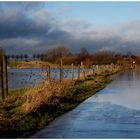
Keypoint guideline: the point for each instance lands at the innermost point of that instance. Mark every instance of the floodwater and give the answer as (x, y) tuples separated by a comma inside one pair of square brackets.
[(21, 78), (114, 112), (28, 77)]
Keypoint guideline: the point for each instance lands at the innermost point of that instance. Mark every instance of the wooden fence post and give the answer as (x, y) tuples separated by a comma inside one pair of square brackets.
[(111, 67), (82, 69), (4, 77), (78, 72), (97, 68), (61, 70), (2, 89), (72, 71), (93, 70), (83, 72), (48, 73)]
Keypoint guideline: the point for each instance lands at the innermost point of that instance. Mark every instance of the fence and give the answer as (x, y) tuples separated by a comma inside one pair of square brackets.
[(4, 77), (20, 78), (80, 72)]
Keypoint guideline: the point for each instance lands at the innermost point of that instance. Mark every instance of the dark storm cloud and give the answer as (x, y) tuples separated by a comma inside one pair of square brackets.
[(15, 21), (30, 27)]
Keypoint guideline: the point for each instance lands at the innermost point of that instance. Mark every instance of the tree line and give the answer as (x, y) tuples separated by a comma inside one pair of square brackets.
[(24, 56), (54, 55)]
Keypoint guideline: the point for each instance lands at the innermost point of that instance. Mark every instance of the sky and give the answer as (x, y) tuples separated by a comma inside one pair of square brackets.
[(34, 27)]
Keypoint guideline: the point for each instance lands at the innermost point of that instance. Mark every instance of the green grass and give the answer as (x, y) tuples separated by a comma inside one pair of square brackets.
[(15, 63), (17, 92), (12, 63), (12, 102)]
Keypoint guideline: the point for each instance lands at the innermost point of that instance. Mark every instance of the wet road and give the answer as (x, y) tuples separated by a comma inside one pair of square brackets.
[(114, 112)]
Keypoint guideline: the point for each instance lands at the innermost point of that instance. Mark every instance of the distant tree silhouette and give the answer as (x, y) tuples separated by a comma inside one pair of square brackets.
[(42, 56), (17, 56), (8, 56), (104, 57), (54, 54), (84, 52), (25, 56), (34, 56), (13, 56), (21, 56), (38, 56)]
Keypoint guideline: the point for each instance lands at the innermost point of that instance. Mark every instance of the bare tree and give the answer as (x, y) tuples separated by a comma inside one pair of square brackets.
[(84, 52), (34, 56), (54, 54), (17, 56), (21, 56), (8, 56), (104, 57), (13, 56), (25, 56)]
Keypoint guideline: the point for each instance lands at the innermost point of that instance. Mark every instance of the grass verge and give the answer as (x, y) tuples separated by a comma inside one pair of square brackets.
[(26, 111)]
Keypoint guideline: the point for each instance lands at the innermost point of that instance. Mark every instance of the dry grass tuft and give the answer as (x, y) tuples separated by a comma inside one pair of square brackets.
[(41, 95)]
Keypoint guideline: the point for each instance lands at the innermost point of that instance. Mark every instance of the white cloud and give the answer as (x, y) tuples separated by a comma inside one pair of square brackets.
[(38, 29)]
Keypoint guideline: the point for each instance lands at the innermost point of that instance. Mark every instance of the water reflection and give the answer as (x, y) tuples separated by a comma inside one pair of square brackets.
[(21, 78), (124, 90), (113, 112)]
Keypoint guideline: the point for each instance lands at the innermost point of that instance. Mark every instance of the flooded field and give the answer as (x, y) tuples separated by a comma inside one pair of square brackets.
[(21, 78), (114, 112)]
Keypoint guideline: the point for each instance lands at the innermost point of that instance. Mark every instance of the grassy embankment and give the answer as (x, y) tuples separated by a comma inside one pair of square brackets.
[(27, 110), (25, 64), (32, 64)]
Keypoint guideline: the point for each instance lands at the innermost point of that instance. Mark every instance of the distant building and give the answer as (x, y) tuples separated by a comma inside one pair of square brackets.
[(127, 62)]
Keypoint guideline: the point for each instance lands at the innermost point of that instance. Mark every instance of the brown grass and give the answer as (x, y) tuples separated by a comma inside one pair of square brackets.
[(40, 95), (22, 114)]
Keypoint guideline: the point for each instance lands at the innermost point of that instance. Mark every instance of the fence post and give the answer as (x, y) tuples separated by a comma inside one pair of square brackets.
[(48, 73), (97, 68), (78, 72), (4, 77), (93, 70), (111, 67), (61, 70), (82, 69), (2, 89), (83, 73), (72, 71)]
